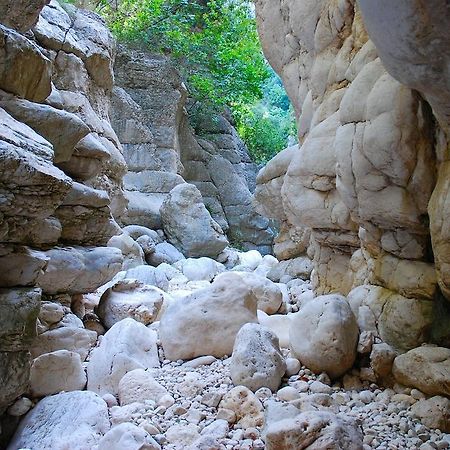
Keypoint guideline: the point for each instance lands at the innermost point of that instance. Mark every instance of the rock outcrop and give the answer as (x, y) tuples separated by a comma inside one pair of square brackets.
[(368, 184), (60, 181)]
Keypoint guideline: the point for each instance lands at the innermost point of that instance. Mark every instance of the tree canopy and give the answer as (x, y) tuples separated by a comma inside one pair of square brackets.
[(217, 46)]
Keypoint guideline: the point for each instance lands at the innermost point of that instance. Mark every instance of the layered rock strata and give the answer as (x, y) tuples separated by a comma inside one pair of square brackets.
[(367, 186), (60, 181)]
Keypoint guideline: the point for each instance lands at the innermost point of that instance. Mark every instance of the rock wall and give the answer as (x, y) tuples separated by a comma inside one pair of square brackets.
[(162, 150), (61, 178), (368, 184)]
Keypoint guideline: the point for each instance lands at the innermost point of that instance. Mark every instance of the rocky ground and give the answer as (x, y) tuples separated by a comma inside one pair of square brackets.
[(206, 361)]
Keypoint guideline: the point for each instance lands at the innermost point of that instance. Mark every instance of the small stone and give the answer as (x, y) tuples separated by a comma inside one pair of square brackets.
[(288, 394), (226, 414), (166, 401), (263, 393), (292, 366), (317, 387), (211, 399)]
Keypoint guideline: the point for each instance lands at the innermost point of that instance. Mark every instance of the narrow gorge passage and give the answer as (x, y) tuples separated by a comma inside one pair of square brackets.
[(184, 268)]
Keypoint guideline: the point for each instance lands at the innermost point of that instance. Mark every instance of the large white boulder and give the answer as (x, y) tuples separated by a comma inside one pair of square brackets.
[(56, 372), (188, 224), (127, 436), (324, 335), (207, 321), (314, 430), (138, 386), (126, 346), (257, 360), (75, 420), (130, 298)]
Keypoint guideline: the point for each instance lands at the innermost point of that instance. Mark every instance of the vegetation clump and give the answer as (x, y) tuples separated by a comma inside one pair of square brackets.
[(216, 45)]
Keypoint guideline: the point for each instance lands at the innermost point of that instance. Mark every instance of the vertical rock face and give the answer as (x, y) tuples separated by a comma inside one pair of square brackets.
[(163, 150), (363, 180), (217, 162), (62, 169)]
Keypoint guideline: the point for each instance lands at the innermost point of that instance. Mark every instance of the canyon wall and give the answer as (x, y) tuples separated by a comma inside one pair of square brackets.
[(152, 116), (365, 194), (61, 178)]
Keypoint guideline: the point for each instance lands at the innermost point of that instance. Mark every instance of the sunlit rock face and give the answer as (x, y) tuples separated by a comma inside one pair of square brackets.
[(61, 175), (370, 177)]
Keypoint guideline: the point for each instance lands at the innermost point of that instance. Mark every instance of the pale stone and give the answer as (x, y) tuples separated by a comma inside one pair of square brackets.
[(268, 293), (126, 346), (131, 250), (55, 372), (216, 313), (130, 298), (325, 334), (292, 366), (77, 420), (200, 269), (189, 225), (425, 368), (248, 409), (433, 412), (138, 386), (288, 394), (73, 339), (257, 360), (182, 435), (313, 429), (127, 436), (279, 324)]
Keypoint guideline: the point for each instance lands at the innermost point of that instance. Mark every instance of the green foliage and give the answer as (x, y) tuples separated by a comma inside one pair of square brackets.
[(218, 50), (215, 40), (268, 125)]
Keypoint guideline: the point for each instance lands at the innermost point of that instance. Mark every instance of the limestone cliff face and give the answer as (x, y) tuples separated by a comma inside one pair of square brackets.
[(369, 180), (162, 150), (61, 171)]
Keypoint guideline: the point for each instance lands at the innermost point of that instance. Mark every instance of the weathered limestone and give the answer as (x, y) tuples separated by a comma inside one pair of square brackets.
[(257, 360), (426, 368), (324, 335), (71, 419), (313, 429), (55, 372), (362, 177), (130, 298), (19, 309), (215, 313), (188, 224), (126, 346)]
